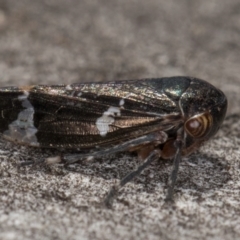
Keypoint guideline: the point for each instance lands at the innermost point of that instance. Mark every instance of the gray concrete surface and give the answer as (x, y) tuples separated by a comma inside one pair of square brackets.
[(59, 41)]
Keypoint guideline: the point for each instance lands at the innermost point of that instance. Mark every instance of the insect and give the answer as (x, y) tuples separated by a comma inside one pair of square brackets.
[(165, 118)]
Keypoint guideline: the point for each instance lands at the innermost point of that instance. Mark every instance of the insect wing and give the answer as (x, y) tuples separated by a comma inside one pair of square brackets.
[(85, 115)]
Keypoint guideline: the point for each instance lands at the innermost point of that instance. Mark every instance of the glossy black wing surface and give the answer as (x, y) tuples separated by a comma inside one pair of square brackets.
[(88, 115)]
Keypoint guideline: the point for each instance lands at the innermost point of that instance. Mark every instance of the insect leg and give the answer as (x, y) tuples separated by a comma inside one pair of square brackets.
[(114, 190), (173, 177), (155, 137), (31, 162), (49, 161)]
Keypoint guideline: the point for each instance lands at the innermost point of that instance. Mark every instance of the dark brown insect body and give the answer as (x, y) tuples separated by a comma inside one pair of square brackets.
[(166, 117)]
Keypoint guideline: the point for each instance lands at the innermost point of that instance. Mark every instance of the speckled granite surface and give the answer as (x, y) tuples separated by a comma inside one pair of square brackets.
[(60, 41)]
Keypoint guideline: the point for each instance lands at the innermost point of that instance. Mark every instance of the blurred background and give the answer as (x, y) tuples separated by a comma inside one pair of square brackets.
[(59, 41)]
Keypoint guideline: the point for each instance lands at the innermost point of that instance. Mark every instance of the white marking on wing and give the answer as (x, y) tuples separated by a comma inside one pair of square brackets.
[(106, 119), (122, 101), (22, 129), (68, 87), (53, 91)]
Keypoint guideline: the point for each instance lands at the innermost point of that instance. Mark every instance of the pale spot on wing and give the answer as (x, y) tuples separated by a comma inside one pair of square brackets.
[(69, 87), (22, 130), (121, 102), (24, 96), (106, 119)]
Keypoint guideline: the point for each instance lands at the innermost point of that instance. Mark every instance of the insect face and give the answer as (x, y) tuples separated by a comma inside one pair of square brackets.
[(204, 107)]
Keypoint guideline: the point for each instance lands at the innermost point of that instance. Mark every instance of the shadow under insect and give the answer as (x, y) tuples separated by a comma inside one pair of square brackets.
[(197, 173)]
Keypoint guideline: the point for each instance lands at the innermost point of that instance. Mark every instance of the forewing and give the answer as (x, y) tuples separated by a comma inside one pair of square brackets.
[(82, 115)]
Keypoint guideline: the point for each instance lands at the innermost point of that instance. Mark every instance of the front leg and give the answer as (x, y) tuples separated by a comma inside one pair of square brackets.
[(114, 190)]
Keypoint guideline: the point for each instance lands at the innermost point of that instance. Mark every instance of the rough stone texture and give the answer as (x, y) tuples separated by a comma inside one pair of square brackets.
[(59, 41)]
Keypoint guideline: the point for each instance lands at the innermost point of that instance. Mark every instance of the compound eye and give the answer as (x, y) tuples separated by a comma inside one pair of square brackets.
[(198, 126)]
